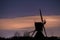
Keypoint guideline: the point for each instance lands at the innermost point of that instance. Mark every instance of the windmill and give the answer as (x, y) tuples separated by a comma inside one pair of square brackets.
[(39, 26)]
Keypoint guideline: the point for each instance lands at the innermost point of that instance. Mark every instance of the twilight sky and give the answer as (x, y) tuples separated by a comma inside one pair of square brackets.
[(17, 8), (17, 14)]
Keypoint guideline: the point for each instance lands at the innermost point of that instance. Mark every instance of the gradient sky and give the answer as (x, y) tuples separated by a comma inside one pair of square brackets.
[(12, 12), (17, 8)]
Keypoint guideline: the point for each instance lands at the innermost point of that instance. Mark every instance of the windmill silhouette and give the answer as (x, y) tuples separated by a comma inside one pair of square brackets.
[(39, 27)]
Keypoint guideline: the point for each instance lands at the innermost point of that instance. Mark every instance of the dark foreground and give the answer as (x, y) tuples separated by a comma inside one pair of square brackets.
[(30, 38)]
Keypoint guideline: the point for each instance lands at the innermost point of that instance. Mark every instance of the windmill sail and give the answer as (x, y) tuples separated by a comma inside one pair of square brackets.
[(42, 21)]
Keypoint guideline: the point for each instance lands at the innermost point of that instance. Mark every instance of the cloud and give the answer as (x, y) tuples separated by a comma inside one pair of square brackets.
[(24, 22)]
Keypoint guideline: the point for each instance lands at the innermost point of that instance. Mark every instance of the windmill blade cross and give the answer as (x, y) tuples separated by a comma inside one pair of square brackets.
[(42, 21)]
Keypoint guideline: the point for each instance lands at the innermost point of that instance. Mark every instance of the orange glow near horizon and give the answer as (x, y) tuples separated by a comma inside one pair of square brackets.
[(24, 22)]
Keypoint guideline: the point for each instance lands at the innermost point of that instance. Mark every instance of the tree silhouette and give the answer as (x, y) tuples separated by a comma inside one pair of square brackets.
[(17, 34), (26, 34)]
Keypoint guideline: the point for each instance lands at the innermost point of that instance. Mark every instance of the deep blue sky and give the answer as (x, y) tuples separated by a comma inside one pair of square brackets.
[(17, 8)]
